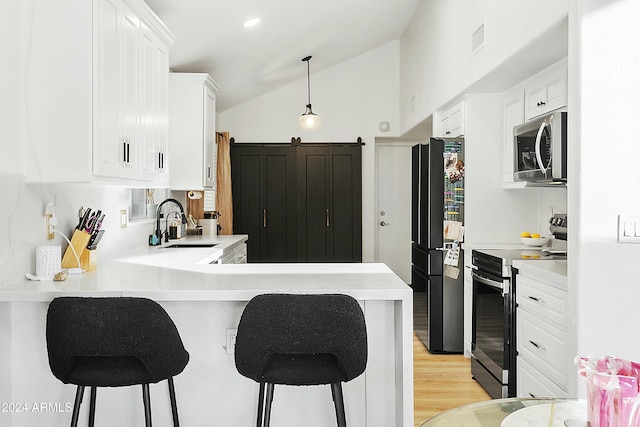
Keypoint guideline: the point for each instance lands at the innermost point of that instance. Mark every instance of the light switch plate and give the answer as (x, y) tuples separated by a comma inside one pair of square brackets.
[(628, 228)]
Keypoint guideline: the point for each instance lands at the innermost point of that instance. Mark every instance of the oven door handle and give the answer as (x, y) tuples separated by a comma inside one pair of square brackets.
[(504, 287)]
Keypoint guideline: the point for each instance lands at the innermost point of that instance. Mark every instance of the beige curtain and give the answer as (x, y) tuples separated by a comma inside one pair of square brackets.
[(224, 198)]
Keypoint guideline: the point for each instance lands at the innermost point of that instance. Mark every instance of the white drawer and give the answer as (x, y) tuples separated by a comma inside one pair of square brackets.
[(542, 345), (532, 383), (546, 301)]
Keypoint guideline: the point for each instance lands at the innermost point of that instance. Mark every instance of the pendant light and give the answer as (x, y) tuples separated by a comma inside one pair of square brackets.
[(309, 120)]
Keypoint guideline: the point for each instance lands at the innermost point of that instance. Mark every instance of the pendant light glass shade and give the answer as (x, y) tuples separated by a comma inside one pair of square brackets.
[(309, 120)]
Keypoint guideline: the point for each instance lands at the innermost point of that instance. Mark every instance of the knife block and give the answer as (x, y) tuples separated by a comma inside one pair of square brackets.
[(79, 242), (88, 260)]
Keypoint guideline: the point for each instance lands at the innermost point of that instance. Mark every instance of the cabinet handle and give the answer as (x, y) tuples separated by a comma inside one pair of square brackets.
[(536, 345), (124, 151), (327, 216), (128, 145), (532, 395), (264, 218), (448, 132), (541, 103), (209, 171), (536, 299)]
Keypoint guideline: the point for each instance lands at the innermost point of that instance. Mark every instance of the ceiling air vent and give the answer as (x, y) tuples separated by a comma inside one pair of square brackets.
[(477, 39)]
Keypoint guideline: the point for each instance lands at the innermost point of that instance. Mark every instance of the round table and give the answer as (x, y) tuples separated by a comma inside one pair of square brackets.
[(491, 413)]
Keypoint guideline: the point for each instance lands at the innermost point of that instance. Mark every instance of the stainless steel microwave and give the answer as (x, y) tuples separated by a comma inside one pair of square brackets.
[(540, 150)]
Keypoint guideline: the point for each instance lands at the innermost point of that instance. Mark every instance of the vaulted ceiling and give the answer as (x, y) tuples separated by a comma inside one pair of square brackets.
[(248, 62)]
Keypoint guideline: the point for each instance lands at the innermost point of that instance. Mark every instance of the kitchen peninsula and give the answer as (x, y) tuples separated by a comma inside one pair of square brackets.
[(206, 302)]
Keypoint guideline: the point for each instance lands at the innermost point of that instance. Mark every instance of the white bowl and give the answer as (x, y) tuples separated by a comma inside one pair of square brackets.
[(531, 241)]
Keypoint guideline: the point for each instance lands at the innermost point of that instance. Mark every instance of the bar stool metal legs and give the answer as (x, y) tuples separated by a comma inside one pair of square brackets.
[(174, 406), (92, 406), (338, 402), (76, 405)]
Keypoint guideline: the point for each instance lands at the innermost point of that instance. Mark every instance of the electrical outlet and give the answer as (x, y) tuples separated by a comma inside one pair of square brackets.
[(123, 218), (48, 226), (231, 340)]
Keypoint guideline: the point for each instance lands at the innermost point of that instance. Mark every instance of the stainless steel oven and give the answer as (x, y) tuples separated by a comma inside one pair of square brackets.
[(493, 338), (492, 329)]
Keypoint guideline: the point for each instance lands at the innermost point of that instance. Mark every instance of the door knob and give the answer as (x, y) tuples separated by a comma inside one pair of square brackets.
[(382, 223)]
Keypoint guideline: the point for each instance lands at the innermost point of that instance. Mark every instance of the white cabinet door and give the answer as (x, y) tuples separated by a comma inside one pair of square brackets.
[(113, 79), (541, 337), (149, 161), (131, 130), (108, 142), (210, 146), (532, 384), (154, 72), (449, 123), (192, 138), (546, 92), (162, 112)]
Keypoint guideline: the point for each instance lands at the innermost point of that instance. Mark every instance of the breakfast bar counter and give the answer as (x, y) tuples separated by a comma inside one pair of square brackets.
[(206, 302)]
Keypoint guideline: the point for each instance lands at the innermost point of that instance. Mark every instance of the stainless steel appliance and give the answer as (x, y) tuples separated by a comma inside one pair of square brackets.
[(540, 150), (493, 341), (437, 231)]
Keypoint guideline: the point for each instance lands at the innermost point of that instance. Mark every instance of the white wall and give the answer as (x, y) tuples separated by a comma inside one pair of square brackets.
[(604, 273), (351, 98), (436, 62)]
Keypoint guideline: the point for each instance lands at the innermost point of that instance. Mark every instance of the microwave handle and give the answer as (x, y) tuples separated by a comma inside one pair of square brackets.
[(537, 147)]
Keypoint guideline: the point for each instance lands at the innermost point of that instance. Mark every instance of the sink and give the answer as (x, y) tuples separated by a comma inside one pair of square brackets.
[(191, 245)]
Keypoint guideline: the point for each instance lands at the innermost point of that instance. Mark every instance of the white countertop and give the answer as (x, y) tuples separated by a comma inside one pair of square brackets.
[(187, 274), (549, 271), (183, 258)]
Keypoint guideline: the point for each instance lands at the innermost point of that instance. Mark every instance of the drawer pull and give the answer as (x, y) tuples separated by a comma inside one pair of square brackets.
[(533, 395), (536, 345), (536, 299)]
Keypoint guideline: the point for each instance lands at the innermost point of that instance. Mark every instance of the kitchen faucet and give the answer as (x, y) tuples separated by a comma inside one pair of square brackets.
[(158, 233)]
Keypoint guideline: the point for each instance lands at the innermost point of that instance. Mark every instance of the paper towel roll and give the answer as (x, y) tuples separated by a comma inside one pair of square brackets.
[(47, 261)]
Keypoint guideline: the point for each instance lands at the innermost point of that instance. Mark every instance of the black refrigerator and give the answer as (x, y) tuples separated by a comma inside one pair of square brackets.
[(437, 233)]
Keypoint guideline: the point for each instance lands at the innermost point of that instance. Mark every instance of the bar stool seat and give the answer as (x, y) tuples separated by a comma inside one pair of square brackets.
[(301, 340), (113, 342)]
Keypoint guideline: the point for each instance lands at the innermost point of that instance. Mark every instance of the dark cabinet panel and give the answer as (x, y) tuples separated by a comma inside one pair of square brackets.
[(278, 240), (247, 207), (329, 203), (298, 203), (345, 219), (263, 183)]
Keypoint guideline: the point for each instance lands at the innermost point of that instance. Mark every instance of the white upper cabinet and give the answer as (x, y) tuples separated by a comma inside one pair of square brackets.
[(96, 110), (192, 131), (449, 123), (546, 91), (543, 92)]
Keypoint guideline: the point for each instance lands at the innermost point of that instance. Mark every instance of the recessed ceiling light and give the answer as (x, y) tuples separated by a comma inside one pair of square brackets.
[(252, 22)]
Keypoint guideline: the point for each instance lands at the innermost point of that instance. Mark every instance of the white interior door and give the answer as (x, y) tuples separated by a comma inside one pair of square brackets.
[(393, 206)]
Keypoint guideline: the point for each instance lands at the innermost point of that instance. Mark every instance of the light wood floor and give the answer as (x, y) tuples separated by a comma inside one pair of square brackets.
[(441, 382)]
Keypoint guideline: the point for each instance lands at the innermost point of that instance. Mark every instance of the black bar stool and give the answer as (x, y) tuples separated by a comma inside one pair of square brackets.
[(113, 342), (301, 340)]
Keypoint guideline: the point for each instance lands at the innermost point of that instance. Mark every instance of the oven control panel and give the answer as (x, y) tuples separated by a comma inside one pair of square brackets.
[(558, 226)]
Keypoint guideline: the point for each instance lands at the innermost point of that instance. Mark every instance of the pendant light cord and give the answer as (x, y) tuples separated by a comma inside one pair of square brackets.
[(306, 59)]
